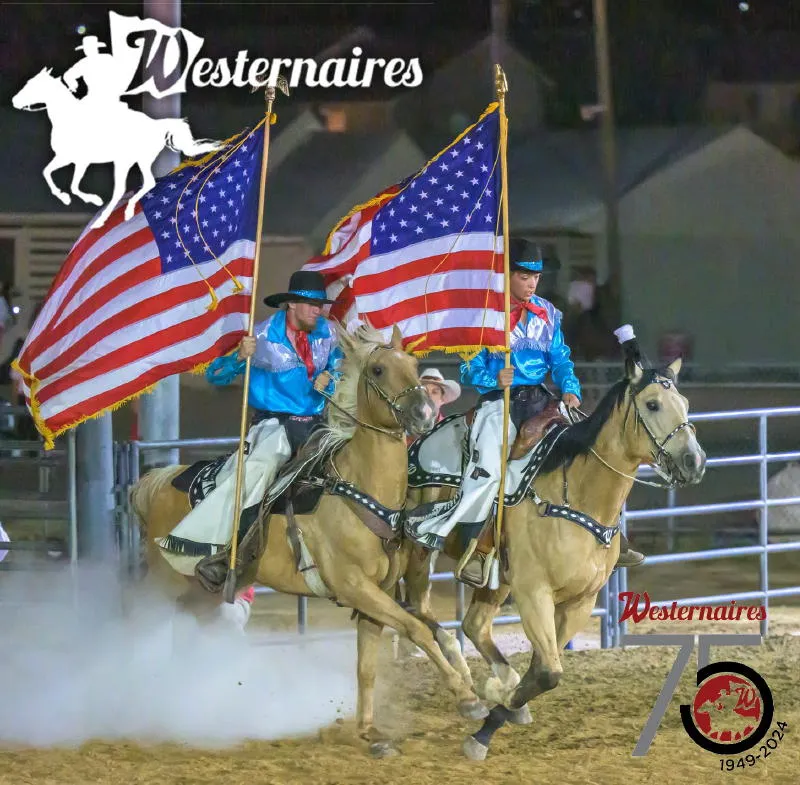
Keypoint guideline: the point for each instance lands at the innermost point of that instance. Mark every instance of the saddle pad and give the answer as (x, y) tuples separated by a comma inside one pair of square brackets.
[(200, 479), (438, 457), (183, 482), (306, 498)]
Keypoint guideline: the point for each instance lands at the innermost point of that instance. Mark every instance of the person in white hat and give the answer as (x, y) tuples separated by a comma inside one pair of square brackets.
[(441, 391)]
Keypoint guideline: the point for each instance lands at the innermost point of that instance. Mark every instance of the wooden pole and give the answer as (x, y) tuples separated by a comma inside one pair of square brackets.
[(501, 86), (609, 156), (229, 590)]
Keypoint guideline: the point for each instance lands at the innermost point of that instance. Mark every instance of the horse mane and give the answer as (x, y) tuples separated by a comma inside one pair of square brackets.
[(579, 438), (356, 347)]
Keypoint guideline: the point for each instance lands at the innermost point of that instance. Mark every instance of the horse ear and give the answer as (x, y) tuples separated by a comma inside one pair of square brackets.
[(675, 368), (397, 338)]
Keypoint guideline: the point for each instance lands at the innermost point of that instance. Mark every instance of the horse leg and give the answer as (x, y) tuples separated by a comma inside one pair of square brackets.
[(358, 592), (571, 618), (75, 186), (56, 163), (538, 619), (543, 674), (478, 628), (419, 597), (148, 181), (369, 636), (120, 176)]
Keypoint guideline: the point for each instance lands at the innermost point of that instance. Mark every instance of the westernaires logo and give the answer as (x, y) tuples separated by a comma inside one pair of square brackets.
[(149, 57)]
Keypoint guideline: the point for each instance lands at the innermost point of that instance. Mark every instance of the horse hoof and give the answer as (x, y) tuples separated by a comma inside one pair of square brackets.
[(473, 749), (63, 198), (473, 709), (383, 749), (93, 199), (520, 716)]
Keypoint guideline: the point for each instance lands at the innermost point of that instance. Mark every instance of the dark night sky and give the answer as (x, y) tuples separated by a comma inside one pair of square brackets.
[(37, 34)]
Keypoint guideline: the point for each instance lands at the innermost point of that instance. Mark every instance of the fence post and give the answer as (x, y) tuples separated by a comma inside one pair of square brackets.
[(605, 631), (133, 521), (671, 499), (460, 613), (763, 519), (72, 491)]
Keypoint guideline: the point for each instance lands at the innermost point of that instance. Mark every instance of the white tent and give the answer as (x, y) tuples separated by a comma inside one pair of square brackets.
[(710, 246)]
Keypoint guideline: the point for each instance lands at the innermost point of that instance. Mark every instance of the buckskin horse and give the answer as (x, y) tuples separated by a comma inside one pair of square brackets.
[(352, 486), (559, 540)]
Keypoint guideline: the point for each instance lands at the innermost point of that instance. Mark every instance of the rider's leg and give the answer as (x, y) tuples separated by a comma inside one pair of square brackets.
[(478, 486)]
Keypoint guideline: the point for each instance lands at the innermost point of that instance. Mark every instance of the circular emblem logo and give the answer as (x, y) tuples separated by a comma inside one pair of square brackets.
[(732, 709)]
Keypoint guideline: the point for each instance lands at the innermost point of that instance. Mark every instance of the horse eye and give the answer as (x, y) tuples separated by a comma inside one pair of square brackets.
[(653, 406), (377, 370)]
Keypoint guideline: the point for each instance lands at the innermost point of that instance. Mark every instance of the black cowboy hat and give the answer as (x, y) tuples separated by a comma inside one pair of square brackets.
[(527, 257), (305, 286)]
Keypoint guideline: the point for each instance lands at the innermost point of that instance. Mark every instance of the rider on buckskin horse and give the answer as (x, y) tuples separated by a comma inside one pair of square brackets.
[(537, 347), (294, 358)]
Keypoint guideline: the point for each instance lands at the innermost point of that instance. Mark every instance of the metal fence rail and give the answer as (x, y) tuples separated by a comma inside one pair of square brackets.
[(609, 608), (763, 504)]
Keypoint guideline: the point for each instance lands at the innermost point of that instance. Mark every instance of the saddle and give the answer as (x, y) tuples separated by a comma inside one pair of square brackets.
[(532, 431)]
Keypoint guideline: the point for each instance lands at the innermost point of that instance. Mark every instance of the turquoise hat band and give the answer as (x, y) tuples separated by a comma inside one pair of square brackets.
[(534, 267), (311, 294)]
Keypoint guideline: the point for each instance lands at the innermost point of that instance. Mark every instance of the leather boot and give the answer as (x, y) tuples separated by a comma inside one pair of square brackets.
[(473, 569), (627, 556), (211, 571)]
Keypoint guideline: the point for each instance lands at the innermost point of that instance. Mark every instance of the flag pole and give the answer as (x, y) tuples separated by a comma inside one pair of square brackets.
[(229, 590), (501, 87)]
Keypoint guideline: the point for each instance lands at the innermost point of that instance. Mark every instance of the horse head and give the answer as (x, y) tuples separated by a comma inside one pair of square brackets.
[(381, 381), (36, 91), (660, 433)]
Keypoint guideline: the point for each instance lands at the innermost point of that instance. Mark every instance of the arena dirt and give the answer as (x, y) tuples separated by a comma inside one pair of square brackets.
[(583, 733)]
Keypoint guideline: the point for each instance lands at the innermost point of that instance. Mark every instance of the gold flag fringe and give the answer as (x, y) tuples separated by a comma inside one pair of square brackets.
[(49, 435)]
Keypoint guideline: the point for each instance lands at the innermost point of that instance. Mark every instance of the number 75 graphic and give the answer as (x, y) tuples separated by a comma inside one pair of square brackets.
[(687, 644)]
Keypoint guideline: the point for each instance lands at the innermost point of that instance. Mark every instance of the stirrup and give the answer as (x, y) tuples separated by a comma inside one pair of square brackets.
[(486, 560)]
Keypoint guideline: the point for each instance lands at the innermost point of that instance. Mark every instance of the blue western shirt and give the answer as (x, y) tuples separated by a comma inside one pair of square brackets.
[(536, 348), (278, 377)]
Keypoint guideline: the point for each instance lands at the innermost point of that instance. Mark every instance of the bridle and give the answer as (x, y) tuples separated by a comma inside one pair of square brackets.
[(397, 411), (663, 463)]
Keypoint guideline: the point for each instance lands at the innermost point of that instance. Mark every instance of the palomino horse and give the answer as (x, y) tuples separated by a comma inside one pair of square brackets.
[(554, 566), (376, 400), (86, 133)]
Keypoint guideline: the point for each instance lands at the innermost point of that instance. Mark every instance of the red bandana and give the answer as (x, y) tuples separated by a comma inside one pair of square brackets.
[(516, 312), (299, 339)]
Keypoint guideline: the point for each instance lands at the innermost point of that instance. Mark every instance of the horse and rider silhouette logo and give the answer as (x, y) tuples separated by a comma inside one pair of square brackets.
[(100, 128), (732, 709)]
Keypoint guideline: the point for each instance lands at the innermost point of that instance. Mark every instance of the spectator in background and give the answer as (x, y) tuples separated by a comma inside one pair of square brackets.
[(586, 329)]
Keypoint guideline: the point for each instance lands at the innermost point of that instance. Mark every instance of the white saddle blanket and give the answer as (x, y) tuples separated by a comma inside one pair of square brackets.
[(439, 457)]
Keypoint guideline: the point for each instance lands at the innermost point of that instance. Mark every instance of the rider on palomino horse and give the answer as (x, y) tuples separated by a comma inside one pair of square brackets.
[(537, 347), (294, 357)]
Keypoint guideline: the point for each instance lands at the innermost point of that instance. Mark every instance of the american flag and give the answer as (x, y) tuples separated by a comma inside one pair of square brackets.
[(426, 254), (138, 300)]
